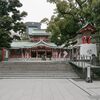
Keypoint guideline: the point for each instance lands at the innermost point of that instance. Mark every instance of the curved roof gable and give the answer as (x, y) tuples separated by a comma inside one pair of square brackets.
[(22, 44), (42, 43)]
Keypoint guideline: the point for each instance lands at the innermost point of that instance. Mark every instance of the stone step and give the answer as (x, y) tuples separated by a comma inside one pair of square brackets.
[(35, 66), (41, 75), (38, 77), (34, 69)]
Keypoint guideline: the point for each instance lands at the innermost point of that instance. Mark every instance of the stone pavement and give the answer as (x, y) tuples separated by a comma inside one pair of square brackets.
[(48, 89)]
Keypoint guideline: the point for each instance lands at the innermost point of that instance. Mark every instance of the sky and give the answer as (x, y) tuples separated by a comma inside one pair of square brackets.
[(37, 10)]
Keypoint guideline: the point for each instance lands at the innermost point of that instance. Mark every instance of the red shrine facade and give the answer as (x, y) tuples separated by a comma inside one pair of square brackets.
[(87, 30), (37, 46)]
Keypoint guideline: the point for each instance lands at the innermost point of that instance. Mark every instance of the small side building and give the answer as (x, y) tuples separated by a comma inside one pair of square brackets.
[(84, 46)]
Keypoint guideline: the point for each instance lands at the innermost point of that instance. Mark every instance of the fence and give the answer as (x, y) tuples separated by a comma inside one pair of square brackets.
[(93, 60)]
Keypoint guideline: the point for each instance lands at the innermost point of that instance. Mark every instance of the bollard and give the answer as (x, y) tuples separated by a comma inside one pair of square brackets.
[(82, 61), (88, 78)]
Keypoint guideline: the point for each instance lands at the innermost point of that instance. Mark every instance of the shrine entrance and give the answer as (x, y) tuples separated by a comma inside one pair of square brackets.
[(33, 54), (49, 54), (41, 53)]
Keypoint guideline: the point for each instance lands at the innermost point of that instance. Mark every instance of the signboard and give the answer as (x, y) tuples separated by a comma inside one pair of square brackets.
[(88, 49)]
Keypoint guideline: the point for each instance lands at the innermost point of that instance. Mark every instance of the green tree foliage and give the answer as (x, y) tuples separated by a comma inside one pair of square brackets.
[(70, 16), (10, 19), (63, 25)]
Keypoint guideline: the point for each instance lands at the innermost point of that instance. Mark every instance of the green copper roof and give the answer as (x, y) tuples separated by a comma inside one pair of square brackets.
[(39, 32), (18, 44)]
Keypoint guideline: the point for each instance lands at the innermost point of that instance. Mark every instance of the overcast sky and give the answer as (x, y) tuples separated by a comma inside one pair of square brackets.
[(37, 9)]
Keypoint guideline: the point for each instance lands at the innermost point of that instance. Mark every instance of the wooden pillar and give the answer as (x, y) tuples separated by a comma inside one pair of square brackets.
[(30, 52), (52, 53), (57, 54), (45, 53), (6, 54), (84, 40), (60, 54), (89, 39), (22, 53), (25, 53), (3, 50), (36, 54)]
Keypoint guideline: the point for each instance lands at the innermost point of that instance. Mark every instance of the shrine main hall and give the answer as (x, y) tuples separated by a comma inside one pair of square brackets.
[(37, 45)]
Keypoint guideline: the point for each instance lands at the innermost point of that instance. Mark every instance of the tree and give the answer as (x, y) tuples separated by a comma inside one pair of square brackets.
[(70, 16), (64, 24), (10, 19)]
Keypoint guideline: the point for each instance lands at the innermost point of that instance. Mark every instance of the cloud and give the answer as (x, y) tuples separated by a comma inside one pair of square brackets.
[(37, 9)]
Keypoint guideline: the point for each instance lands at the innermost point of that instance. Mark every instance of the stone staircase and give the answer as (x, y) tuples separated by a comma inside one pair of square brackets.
[(36, 70)]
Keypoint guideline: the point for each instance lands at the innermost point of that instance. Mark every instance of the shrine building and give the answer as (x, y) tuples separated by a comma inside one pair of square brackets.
[(36, 46), (84, 43)]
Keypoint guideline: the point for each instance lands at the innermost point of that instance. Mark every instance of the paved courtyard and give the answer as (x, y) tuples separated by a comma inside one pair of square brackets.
[(48, 89)]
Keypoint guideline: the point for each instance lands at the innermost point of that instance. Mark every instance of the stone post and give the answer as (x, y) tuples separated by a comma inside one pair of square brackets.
[(88, 78)]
